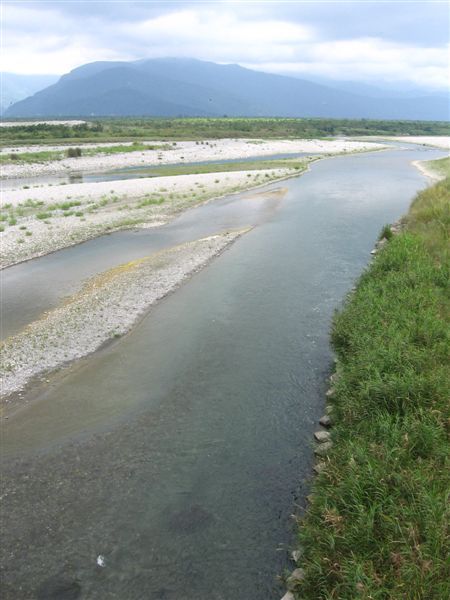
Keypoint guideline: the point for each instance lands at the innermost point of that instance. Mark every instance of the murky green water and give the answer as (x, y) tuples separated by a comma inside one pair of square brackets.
[(179, 452)]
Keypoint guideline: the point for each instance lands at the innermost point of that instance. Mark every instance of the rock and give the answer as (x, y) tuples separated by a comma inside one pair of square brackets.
[(101, 562), (296, 554), (288, 596), (319, 467), (374, 251), (329, 409), (295, 578), (323, 449), (322, 436), (335, 376), (329, 393), (325, 421)]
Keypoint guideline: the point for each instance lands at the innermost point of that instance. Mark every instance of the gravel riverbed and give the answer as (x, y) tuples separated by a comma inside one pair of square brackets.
[(42, 220), (105, 308), (182, 152)]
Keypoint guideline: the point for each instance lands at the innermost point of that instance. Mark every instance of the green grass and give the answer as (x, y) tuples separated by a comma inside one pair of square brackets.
[(150, 202), (166, 170), (30, 157), (441, 166), (64, 205), (45, 156), (200, 129), (377, 525)]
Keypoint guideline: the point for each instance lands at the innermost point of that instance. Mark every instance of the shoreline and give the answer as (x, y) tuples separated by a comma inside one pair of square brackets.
[(106, 308), (138, 203), (183, 152), (421, 165)]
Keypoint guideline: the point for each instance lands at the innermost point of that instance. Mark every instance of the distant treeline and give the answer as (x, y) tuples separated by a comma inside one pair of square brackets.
[(203, 128)]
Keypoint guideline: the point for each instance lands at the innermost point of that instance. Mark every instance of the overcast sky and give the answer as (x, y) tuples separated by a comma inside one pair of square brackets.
[(378, 42)]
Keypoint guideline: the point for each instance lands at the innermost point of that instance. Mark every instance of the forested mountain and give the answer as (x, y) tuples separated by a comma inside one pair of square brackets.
[(188, 87)]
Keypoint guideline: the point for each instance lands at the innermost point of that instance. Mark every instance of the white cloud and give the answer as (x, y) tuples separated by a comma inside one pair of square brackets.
[(44, 39), (367, 59)]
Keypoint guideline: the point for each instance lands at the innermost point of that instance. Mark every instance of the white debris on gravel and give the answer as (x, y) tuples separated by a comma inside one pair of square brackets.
[(107, 306)]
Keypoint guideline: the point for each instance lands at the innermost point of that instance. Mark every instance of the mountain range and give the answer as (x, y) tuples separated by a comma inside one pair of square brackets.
[(172, 87)]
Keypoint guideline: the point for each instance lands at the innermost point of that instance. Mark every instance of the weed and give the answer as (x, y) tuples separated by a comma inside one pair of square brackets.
[(150, 201), (386, 233)]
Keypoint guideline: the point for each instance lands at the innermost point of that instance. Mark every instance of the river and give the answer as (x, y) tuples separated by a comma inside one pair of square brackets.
[(179, 452)]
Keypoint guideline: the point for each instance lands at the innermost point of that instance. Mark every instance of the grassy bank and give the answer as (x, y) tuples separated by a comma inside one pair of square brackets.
[(46, 156), (230, 167), (377, 525), (441, 166), (128, 129)]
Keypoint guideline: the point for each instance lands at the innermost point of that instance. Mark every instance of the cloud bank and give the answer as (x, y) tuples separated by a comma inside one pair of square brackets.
[(374, 42)]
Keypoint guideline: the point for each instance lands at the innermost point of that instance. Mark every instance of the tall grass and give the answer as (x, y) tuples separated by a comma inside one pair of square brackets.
[(377, 526)]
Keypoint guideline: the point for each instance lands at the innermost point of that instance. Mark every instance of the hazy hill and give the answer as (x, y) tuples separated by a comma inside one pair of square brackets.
[(16, 87), (187, 87)]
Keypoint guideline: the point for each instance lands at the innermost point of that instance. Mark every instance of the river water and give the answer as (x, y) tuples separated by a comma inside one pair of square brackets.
[(179, 452)]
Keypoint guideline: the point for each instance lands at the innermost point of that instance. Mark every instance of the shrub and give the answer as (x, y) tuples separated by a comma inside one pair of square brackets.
[(73, 152), (386, 233)]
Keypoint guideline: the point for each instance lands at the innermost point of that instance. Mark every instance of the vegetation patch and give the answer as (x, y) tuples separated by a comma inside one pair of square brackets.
[(441, 166), (200, 129), (75, 152), (377, 525), (150, 202), (230, 167)]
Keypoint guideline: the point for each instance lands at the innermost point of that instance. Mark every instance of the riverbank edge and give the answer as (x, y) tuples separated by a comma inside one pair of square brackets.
[(108, 306), (145, 221), (376, 436), (426, 168)]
